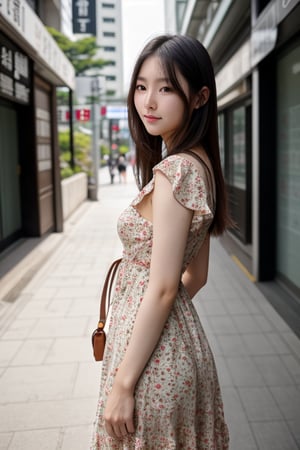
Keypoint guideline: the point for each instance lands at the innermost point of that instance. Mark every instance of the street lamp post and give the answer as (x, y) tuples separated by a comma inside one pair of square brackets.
[(95, 88)]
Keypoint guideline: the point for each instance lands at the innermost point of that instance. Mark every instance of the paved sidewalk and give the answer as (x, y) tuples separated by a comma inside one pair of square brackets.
[(49, 381)]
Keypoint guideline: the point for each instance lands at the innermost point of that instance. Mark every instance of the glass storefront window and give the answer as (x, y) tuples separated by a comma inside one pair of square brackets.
[(288, 164), (239, 148)]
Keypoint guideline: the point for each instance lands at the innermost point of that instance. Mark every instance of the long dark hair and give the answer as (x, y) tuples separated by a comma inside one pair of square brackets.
[(200, 127)]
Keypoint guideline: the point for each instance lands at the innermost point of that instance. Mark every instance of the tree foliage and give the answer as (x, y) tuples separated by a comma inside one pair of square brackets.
[(81, 53), (82, 144)]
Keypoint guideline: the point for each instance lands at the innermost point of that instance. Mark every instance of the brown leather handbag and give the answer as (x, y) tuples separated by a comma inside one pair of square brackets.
[(98, 336)]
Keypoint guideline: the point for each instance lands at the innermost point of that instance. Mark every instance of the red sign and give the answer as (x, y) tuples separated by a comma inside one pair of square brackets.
[(83, 115)]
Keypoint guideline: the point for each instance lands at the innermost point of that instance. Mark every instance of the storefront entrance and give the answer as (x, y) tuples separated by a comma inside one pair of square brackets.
[(288, 169), (10, 201)]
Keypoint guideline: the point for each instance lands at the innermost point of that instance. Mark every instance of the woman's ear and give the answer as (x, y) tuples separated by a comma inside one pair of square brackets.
[(201, 97)]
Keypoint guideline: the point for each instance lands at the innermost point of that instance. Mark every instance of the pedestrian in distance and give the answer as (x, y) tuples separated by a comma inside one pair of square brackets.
[(112, 167), (159, 385), (122, 168)]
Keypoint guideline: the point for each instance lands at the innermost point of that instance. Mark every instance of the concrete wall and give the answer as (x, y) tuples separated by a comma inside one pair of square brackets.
[(74, 192)]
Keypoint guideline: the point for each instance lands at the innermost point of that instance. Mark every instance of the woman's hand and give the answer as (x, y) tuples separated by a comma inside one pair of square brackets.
[(118, 414)]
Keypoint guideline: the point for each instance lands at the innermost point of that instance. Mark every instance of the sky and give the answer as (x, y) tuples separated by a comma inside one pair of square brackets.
[(142, 20)]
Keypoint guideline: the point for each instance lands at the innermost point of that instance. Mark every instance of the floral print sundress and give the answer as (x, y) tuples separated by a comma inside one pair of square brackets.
[(178, 402)]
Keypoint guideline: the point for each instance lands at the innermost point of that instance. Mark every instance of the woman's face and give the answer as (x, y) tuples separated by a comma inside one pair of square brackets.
[(160, 108)]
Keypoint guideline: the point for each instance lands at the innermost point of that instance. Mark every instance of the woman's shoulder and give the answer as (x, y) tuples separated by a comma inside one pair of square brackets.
[(182, 164), (187, 181)]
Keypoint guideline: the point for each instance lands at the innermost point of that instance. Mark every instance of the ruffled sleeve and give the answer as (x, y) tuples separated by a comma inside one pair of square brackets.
[(188, 185)]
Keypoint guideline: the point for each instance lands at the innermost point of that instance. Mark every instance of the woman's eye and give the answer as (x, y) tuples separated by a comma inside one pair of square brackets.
[(140, 87), (166, 89)]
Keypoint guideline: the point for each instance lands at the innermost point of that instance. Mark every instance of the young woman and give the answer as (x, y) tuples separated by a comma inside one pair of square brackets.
[(159, 386)]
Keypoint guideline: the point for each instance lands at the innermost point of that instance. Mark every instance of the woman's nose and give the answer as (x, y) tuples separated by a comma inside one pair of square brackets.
[(150, 100)]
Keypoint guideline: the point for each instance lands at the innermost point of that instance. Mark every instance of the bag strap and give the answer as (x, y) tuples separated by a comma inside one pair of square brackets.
[(106, 292)]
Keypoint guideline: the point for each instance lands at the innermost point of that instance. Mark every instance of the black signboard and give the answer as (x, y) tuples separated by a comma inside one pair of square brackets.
[(14, 72), (84, 17)]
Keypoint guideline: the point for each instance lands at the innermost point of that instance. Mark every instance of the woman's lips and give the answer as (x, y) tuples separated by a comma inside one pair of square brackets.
[(150, 118)]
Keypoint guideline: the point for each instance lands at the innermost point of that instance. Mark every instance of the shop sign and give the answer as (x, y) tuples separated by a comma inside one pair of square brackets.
[(83, 114), (264, 34), (14, 72), (84, 17), (116, 112), (32, 30)]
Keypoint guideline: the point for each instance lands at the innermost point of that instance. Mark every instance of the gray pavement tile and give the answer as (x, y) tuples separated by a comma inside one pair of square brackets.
[(253, 305), (293, 366), (70, 349), (36, 440), (292, 341), (50, 308), (8, 350), (222, 325), (41, 292), (273, 436), (77, 438), (259, 404), (278, 343), (213, 307), (5, 439), (32, 352), (241, 436), (81, 308), (294, 427), (81, 292), (235, 306), (288, 400), (244, 372), (274, 317), (258, 344), (87, 380), (47, 414), (246, 323), (64, 269), (264, 323), (59, 327), (35, 383), (19, 329), (232, 345), (65, 282), (273, 370)]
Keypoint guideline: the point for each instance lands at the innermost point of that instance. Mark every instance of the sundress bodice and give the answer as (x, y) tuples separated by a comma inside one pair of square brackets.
[(190, 189)]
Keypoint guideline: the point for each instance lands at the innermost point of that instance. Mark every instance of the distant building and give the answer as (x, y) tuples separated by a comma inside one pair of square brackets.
[(174, 14), (55, 14), (109, 38)]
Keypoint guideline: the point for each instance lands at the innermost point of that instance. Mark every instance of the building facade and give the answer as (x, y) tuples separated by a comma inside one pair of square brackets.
[(109, 38), (31, 67), (255, 48)]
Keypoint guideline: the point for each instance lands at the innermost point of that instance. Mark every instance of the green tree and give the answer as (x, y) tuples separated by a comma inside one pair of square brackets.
[(81, 53), (82, 144)]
